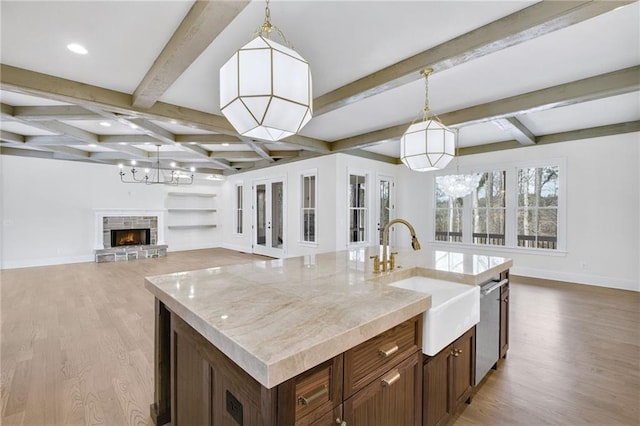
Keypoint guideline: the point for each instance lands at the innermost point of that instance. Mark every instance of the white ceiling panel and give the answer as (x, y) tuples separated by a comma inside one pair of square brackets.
[(616, 109), (175, 128), (123, 38)]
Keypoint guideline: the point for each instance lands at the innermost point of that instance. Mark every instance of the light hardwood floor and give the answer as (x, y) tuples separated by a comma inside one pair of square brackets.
[(77, 348)]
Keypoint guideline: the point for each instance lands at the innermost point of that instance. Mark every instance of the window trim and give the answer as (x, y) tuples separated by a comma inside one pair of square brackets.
[(301, 240), (511, 204)]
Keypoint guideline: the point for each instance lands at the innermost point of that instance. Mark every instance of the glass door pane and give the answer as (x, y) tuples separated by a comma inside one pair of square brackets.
[(261, 217), (277, 237)]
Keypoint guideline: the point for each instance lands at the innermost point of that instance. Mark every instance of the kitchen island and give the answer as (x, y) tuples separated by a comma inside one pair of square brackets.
[(299, 340)]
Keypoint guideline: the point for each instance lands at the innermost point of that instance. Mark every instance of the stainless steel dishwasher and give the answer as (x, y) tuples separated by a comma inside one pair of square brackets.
[(488, 329)]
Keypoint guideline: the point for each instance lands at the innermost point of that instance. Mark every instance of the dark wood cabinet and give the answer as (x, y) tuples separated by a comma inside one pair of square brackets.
[(207, 388), (448, 380), (504, 316), (391, 399)]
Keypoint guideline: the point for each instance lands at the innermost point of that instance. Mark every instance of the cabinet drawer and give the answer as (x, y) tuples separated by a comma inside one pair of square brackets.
[(309, 396), (375, 356)]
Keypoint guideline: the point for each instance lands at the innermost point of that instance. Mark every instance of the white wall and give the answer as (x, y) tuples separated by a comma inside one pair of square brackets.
[(47, 209), (324, 167), (603, 230), (603, 187), (332, 185)]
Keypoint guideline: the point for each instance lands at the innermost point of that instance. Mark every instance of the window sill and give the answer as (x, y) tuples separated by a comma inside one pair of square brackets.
[(495, 249)]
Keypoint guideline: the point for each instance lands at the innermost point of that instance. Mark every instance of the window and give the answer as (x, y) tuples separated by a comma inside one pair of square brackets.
[(448, 217), (516, 207), (489, 208), (357, 208), (538, 207), (308, 207), (238, 208)]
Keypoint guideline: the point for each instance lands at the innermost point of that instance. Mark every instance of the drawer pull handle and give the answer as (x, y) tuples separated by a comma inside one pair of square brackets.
[(311, 396), (391, 378), (388, 350)]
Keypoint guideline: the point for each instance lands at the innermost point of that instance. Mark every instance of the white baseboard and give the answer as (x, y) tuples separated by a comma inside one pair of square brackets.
[(596, 280), (29, 263), (178, 247)]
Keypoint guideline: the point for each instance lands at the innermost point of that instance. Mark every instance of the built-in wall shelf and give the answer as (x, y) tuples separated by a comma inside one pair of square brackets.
[(191, 226), (192, 210), (191, 194)]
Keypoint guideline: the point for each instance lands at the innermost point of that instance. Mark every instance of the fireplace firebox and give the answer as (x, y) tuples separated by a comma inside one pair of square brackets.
[(130, 237)]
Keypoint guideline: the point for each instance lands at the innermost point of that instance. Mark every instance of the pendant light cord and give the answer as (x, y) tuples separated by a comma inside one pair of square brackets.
[(265, 29)]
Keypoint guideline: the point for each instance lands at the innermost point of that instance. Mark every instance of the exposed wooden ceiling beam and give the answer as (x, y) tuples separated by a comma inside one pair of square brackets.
[(67, 130), (94, 97), (259, 149), (284, 154), (54, 140), (202, 24), (573, 135), (6, 111), (128, 139), (516, 129), (601, 86), (54, 112), (11, 137), (203, 153), (373, 156), (208, 139), (614, 83), (7, 150), (236, 155), (153, 130), (526, 24)]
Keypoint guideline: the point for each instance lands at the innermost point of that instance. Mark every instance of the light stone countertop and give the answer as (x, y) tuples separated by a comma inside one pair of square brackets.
[(279, 318)]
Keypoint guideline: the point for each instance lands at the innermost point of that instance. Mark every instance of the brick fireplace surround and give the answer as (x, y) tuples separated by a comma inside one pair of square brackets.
[(108, 219)]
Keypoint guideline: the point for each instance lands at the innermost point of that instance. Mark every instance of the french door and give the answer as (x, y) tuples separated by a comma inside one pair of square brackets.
[(385, 206), (269, 224)]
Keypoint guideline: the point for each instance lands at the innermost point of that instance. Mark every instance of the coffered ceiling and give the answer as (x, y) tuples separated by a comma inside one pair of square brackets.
[(508, 74)]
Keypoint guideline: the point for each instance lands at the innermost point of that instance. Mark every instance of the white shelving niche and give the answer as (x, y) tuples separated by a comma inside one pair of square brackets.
[(191, 210)]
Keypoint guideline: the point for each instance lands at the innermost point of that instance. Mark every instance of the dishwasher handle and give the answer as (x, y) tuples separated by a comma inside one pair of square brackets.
[(491, 288)]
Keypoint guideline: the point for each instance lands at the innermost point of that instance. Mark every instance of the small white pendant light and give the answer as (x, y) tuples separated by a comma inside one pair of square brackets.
[(429, 144), (265, 87)]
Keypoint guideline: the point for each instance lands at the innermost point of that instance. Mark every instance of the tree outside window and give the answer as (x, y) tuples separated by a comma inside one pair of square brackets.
[(538, 207), (489, 206)]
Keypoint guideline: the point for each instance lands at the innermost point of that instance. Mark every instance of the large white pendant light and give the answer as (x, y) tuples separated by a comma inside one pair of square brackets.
[(265, 87), (429, 144)]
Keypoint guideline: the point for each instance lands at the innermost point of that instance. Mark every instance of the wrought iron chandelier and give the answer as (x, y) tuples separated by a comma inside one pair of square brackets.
[(429, 144), (265, 87), (156, 175)]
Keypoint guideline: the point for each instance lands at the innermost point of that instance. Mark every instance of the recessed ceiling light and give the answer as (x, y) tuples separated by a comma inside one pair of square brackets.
[(77, 48), (92, 145), (225, 144), (122, 143), (105, 124)]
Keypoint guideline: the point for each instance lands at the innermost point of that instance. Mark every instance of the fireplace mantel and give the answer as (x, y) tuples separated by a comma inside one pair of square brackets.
[(100, 214)]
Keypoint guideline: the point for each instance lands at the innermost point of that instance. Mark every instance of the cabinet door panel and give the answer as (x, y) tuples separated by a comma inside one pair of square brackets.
[(463, 367), (391, 399), (436, 392), (192, 385)]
